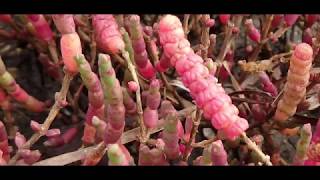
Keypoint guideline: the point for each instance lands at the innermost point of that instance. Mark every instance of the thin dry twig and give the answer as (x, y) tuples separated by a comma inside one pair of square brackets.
[(229, 37), (186, 24), (60, 101), (253, 146), (194, 131), (131, 67)]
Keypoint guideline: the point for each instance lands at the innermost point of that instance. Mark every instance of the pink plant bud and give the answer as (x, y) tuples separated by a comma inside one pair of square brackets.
[(41, 26), (311, 19), (53, 132), (171, 139), (290, 19), (150, 117), (253, 32), (70, 49), (30, 157), (224, 18), (118, 155), (210, 23), (19, 140), (133, 86), (307, 36), (258, 113), (54, 142), (267, 85), (277, 19), (63, 139), (108, 36), (6, 18), (219, 156), (64, 23), (154, 97), (128, 102)]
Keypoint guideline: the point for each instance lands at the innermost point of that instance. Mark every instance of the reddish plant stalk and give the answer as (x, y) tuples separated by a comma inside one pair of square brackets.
[(70, 48), (64, 23), (95, 94), (113, 99), (171, 132), (144, 66), (107, 33), (150, 114), (62, 139), (43, 30), (8, 83)]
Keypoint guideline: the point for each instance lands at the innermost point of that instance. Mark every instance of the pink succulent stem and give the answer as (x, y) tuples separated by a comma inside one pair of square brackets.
[(113, 99), (70, 48), (171, 131), (150, 114), (208, 94), (64, 23), (107, 32), (141, 58), (267, 85), (8, 83), (41, 26), (95, 94), (219, 156), (290, 19)]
